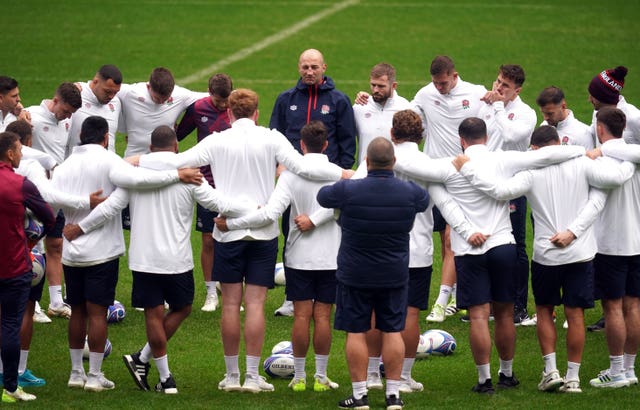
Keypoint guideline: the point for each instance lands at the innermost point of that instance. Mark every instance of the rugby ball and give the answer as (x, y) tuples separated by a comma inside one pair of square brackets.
[(283, 347), (422, 351), (439, 342), (278, 274), (38, 267), (116, 312), (107, 348), (279, 365), (33, 228)]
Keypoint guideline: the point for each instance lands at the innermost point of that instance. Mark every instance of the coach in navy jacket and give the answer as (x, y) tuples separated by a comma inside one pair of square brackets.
[(315, 98), (376, 216)]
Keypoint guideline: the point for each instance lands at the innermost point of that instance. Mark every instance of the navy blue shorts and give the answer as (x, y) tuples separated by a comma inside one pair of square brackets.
[(439, 223), (95, 284), (204, 219), (616, 276), (486, 278), (355, 305), (153, 289), (56, 231), (419, 283), (248, 261), (319, 285), (569, 285)]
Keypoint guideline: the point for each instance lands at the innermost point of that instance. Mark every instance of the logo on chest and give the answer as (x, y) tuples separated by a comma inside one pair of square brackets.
[(293, 108), (325, 109)]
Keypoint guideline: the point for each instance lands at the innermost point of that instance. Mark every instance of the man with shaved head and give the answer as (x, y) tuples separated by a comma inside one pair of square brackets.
[(315, 98)]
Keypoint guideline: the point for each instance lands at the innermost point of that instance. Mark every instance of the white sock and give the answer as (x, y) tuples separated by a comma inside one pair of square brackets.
[(374, 365), (299, 364), (573, 371), (616, 366), (145, 354), (211, 287), (454, 291), (321, 365), (407, 365), (443, 296), (484, 372), (629, 361), (22, 365), (252, 365), (162, 363), (95, 362), (359, 389), (76, 359), (231, 364), (55, 295), (506, 367), (393, 388), (550, 362)]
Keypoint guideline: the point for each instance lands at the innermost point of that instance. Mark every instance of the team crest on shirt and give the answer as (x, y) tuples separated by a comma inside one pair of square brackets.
[(465, 104), (66, 126), (141, 99), (325, 109), (511, 116), (87, 104), (437, 102), (293, 107), (487, 117), (565, 140), (45, 129), (367, 115), (111, 107), (204, 118)]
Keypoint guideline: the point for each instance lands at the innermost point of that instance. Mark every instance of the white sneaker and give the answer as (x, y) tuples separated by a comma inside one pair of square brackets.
[(570, 386), (18, 395), (62, 310), (77, 379), (437, 313), (550, 381), (374, 382), (410, 386), (532, 321), (630, 374), (210, 303), (285, 310), (452, 308), (231, 382), (606, 379), (97, 383), (257, 384), (39, 316)]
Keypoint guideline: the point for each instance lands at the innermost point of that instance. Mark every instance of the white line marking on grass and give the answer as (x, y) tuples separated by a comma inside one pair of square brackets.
[(245, 52)]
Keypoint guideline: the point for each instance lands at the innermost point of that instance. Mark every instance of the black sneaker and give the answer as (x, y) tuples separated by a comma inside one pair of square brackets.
[(394, 403), (137, 369), (505, 382), (167, 387), (465, 318), (484, 388), (520, 315), (597, 327), (353, 403)]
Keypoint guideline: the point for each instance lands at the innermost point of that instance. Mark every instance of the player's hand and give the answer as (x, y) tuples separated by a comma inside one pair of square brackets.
[(133, 160), (477, 239), (280, 169), (191, 176), (303, 223), (362, 98), (221, 223), (594, 153), (95, 199), (347, 173), (459, 161), (72, 231), (562, 239)]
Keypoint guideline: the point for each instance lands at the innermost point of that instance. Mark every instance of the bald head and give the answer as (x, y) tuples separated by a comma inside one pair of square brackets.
[(380, 154), (311, 67)]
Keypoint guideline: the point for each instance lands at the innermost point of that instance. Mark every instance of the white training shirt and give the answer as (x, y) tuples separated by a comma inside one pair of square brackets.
[(631, 133), (509, 126), (574, 132), (160, 239), (141, 115), (90, 168), (6, 120), (243, 161), (442, 114), (316, 249), (375, 120), (91, 106), (49, 134)]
